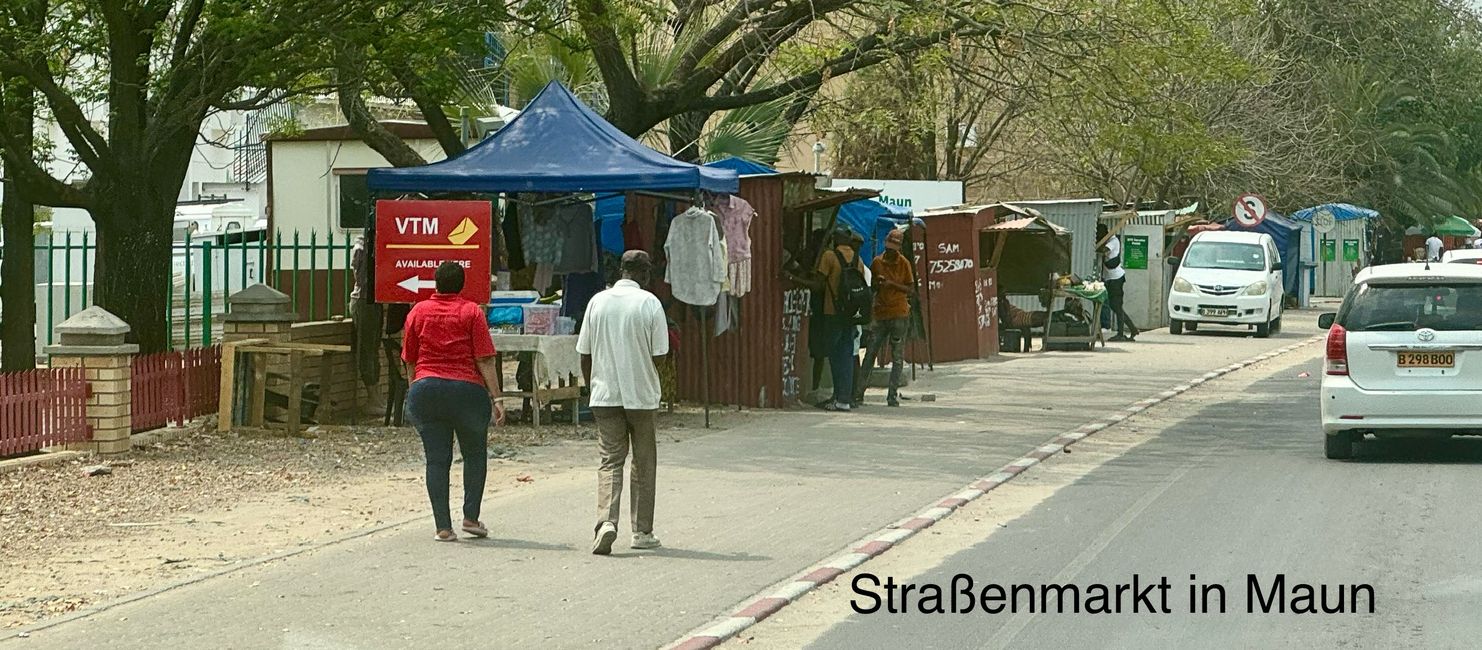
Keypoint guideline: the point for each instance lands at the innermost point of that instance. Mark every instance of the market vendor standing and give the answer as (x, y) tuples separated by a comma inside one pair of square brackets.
[(455, 389), (894, 282), (1116, 280)]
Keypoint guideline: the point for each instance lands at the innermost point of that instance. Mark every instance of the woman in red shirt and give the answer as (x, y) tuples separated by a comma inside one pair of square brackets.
[(454, 391)]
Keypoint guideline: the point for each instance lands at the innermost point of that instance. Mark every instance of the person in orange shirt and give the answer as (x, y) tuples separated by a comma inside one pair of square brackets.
[(895, 283)]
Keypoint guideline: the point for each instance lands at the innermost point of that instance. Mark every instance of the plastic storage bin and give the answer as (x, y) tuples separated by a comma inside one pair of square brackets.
[(541, 319), (505, 307)]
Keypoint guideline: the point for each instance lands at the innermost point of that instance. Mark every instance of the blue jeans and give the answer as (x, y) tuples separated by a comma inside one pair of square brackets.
[(442, 409), (839, 336)]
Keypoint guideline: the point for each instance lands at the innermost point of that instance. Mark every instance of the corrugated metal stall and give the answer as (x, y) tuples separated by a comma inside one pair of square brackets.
[(960, 299), (765, 363), (1080, 217), (1332, 278)]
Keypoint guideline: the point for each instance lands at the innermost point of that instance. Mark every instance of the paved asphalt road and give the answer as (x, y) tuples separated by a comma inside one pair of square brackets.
[(1239, 487)]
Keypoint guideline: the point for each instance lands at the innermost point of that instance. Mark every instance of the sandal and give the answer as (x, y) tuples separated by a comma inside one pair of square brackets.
[(445, 536), (477, 529)]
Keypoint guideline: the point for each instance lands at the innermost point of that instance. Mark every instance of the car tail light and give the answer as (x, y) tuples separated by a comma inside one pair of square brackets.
[(1337, 358)]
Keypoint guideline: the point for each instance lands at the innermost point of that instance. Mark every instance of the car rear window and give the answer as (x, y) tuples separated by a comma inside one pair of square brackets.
[(1406, 307)]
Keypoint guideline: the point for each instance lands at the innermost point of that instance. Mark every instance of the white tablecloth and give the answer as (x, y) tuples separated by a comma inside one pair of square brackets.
[(555, 356)]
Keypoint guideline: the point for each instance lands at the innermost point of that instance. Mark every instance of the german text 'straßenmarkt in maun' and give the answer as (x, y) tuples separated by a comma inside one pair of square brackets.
[(1275, 594)]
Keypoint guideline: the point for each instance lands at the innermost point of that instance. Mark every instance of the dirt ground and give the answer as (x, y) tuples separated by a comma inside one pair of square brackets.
[(207, 500)]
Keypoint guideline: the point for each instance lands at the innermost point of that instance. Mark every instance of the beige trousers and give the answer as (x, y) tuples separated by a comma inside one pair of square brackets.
[(618, 430)]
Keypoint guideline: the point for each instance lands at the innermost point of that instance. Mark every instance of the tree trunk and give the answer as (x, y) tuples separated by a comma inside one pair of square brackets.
[(18, 269), (134, 277), (685, 130), (17, 284)]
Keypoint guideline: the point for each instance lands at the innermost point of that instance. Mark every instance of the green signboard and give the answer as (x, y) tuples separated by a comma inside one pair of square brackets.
[(1329, 250), (1350, 250), (1136, 256)]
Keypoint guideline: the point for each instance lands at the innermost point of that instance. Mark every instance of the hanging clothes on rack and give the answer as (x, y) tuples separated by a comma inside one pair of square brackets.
[(540, 230), (513, 247), (696, 259), (727, 314), (735, 216), (578, 236), (577, 291)]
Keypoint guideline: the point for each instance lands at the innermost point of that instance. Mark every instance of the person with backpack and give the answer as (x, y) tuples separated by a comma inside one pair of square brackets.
[(847, 300)]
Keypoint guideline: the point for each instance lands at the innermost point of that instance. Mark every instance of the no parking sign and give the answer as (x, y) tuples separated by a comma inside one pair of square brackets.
[(1250, 210)]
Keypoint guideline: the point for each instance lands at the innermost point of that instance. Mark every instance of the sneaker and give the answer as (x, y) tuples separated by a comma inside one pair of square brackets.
[(606, 535), (1120, 338), (643, 541)]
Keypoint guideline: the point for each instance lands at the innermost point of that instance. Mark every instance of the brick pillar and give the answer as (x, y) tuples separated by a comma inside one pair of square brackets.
[(94, 340), (260, 312)]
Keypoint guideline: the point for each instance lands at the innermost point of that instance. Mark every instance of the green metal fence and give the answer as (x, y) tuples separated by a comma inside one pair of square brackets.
[(205, 271)]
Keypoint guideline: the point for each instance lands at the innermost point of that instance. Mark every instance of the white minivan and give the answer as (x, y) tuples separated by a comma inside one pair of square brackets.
[(1228, 278)]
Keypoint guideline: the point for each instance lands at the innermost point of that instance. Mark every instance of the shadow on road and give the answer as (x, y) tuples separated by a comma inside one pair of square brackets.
[(1420, 450), (686, 554), (494, 542)]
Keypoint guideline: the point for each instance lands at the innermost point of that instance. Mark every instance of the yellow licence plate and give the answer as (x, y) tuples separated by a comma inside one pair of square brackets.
[(1426, 360)]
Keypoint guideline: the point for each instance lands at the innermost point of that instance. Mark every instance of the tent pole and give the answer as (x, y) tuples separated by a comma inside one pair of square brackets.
[(705, 364), (926, 308)]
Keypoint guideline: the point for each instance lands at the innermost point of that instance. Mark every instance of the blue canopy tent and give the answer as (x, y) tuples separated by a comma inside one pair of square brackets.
[(556, 144), (1287, 234)]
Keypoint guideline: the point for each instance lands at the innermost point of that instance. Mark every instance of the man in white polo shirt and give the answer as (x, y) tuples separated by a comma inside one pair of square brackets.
[(623, 331)]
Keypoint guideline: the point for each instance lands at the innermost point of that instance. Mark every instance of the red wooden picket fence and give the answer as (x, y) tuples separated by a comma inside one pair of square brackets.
[(173, 387), (42, 408)]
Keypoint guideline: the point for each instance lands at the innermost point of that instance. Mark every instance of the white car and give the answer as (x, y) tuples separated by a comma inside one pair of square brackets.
[(1228, 278), (1463, 255), (1404, 355)]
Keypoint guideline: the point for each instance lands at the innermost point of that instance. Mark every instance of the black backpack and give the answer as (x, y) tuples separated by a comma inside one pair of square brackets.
[(854, 298)]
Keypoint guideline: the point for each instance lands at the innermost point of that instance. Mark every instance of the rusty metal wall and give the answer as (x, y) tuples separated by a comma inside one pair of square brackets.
[(949, 261), (765, 363)]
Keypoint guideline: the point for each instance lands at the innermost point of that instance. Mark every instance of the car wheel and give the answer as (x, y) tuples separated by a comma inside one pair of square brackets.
[(1276, 324), (1263, 330), (1175, 327), (1338, 446)]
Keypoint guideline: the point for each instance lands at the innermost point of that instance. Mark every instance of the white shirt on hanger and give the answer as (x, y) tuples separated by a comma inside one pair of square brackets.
[(697, 259)]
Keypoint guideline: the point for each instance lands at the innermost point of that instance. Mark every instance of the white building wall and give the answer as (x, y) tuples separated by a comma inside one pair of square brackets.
[(305, 188)]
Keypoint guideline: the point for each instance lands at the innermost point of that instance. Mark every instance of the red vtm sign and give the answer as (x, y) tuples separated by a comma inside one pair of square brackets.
[(414, 237)]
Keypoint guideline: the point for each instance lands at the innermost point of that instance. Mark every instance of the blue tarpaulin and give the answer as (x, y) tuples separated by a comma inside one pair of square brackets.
[(741, 166), (873, 220), (557, 144), (1340, 211), (1287, 234)]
